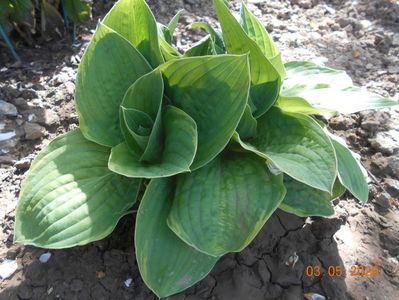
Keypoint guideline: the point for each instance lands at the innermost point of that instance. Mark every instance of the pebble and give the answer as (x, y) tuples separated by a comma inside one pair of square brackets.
[(23, 164), (387, 141), (76, 285), (128, 282), (7, 135), (33, 131), (395, 40), (24, 291), (42, 116), (392, 186), (303, 3), (45, 257), (383, 200), (7, 109), (7, 268), (393, 165)]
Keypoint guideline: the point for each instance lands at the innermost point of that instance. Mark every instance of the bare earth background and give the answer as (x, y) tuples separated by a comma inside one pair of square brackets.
[(361, 37)]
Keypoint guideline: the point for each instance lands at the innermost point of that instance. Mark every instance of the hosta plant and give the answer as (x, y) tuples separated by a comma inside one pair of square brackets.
[(207, 144)]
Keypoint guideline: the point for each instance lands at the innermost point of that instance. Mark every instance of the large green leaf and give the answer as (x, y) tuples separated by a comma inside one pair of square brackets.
[(350, 170), (265, 78), (70, 197), (256, 31), (303, 200), (167, 264), (327, 88), (221, 207), (297, 145), (108, 67), (77, 10), (134, 20), (180, 134), (213, 90)]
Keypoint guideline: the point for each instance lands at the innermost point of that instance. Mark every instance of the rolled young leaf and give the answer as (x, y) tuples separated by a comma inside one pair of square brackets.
[(327, 88), (141, 108), (180, 145), (134, 20), (167, 264), (221, 207), (108, 67), (70, 197), (213, 90), (266, 81), (297, 145)]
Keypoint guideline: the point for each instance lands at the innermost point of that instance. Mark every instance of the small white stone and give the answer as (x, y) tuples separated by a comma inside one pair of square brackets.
[(128, 282), (7, 135), (7, 268), (45, 257)]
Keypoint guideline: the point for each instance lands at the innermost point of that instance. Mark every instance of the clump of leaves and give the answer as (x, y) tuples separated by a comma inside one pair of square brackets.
[(221, 136)]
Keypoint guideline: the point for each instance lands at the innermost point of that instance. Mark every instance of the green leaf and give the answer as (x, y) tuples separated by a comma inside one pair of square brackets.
[(167, 264), (168, 51), (221, 207), (304, 75), (144, 102), (350, 170), (331, 89), (265, 79), (180, 133), (173, 22), (257, 32), (248, 124), (304, 201), (77, 10), (70, 197), (201, 48), (338, 189), (51, 19), (297, 145), (134, 20), (136, 127), (215, 35), (108, 67), (300, 105), (213, 90)]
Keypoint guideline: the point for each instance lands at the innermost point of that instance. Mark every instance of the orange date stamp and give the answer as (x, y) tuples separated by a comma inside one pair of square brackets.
[(338, 271)]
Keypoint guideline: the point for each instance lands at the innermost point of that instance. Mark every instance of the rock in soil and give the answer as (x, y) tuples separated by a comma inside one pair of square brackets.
[(33, 131), (7, 109)]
